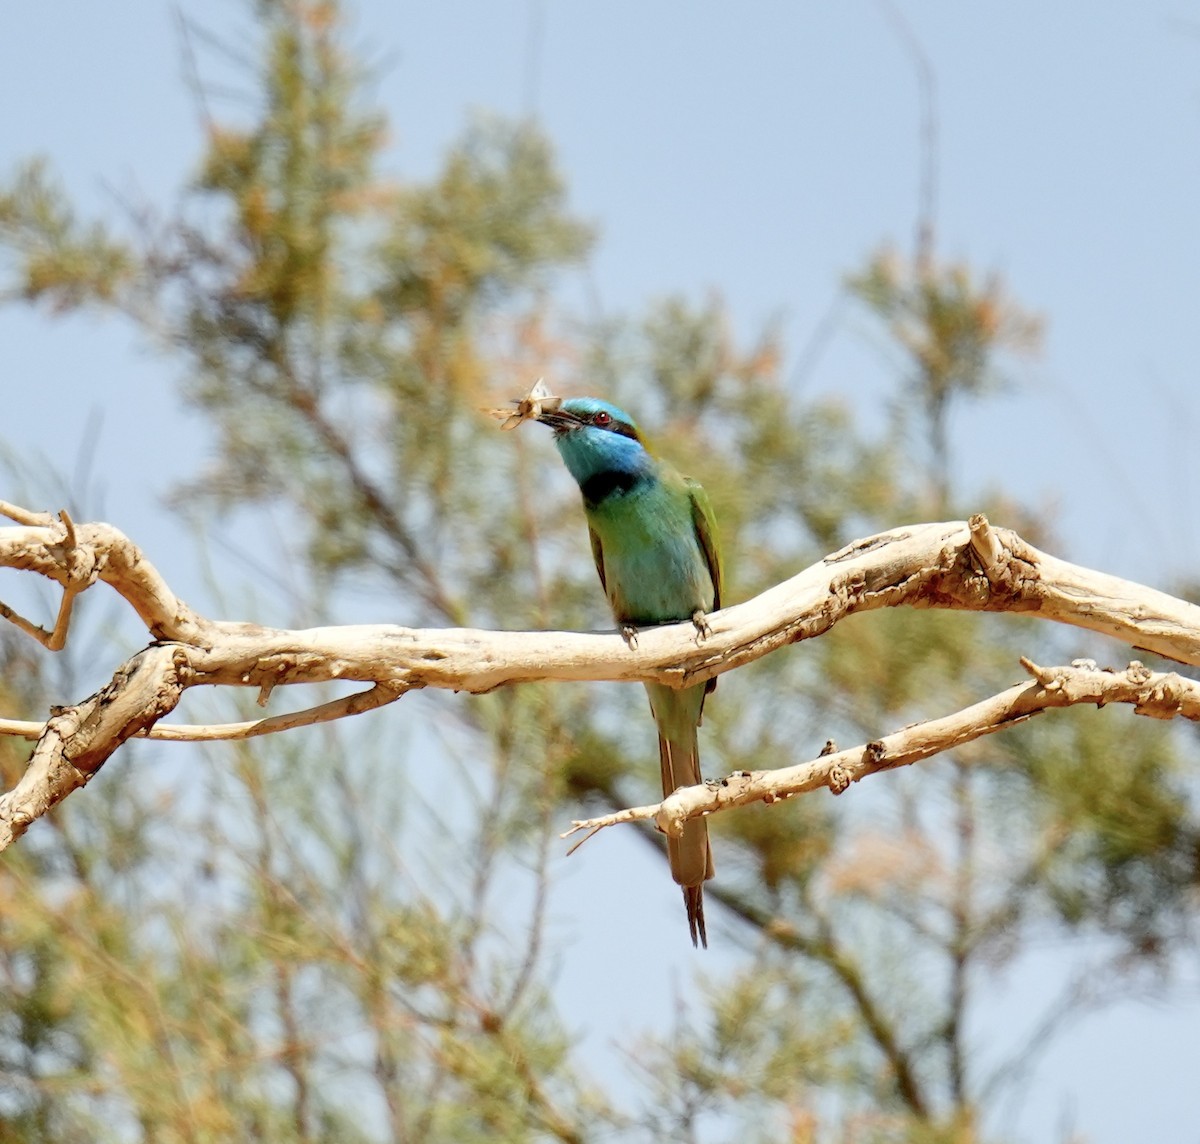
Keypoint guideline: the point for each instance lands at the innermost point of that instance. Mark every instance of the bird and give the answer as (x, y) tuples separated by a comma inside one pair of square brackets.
[(654, 541)]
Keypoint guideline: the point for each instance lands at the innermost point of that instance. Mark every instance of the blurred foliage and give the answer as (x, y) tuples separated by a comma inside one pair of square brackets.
[(62, 264), (292, 948), (950, 328)]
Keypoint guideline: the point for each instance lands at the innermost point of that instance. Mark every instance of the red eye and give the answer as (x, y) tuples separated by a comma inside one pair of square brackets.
[(602, 418)]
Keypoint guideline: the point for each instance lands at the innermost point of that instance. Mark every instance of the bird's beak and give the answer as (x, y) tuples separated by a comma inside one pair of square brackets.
[(559, 420)]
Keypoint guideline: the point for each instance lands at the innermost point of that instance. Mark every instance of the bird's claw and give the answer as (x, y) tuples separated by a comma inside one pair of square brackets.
[(629, 635), (700, 622)]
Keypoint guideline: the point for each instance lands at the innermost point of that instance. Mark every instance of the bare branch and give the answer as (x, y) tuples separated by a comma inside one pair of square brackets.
[(957, 565), (77, 556), (1159, 695), (78, 740), (923, 565)]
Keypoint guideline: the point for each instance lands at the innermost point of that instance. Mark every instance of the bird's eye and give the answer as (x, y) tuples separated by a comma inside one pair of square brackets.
[(602, 418)]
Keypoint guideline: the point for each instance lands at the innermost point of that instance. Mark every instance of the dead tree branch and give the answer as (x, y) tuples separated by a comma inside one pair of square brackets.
[(967, 566), (1160, 695)]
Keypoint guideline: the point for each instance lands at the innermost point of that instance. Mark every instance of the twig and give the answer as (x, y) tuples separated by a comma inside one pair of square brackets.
[(361, 701), (25, 516)]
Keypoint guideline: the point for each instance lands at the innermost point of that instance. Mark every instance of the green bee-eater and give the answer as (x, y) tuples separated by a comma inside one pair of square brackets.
[(654, 541)]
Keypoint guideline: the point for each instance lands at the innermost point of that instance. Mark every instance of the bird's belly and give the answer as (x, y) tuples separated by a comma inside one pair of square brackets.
[(653, 573)]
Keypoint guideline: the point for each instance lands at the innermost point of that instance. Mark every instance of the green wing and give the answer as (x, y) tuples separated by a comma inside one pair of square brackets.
[(598, 557), (706, 533)]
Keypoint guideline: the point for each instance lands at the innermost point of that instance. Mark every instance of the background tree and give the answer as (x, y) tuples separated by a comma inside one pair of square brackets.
[(288, 946)]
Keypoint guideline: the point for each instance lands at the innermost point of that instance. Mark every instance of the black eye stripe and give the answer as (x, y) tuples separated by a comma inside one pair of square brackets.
[(622, 427), (602, 419)]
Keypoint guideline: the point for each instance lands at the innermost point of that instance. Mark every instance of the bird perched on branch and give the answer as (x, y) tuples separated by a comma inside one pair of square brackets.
[(654, 541)]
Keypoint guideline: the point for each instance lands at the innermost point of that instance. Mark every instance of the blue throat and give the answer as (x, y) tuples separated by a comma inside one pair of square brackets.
[(604, 463)]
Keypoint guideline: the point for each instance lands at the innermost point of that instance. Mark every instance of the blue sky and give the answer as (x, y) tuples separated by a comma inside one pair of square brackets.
[(762, 151)]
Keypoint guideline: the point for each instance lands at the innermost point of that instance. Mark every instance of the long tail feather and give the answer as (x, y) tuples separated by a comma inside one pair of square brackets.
[(690, 854)]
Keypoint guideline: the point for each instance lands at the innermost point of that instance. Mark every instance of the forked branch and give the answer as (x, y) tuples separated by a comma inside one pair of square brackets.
[(966, 566)]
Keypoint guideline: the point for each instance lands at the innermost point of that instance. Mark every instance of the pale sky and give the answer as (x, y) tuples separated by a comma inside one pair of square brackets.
[(763, 151)]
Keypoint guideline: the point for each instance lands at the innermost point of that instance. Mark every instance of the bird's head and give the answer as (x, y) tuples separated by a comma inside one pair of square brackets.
[(594, 436)]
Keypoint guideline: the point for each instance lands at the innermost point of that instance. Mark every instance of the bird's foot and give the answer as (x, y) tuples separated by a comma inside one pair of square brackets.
[(700, 622), (629, 635)]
